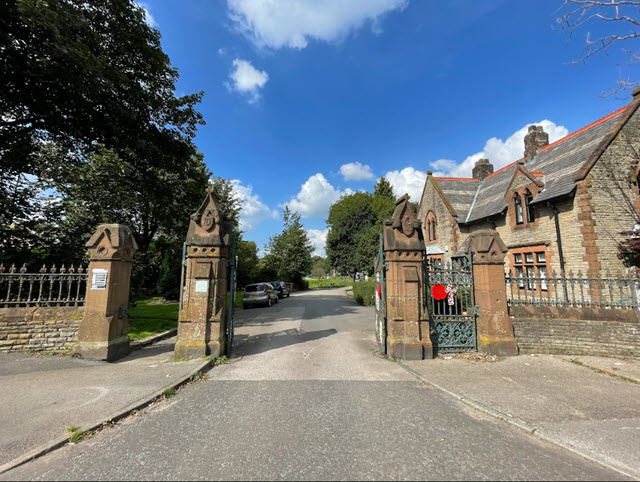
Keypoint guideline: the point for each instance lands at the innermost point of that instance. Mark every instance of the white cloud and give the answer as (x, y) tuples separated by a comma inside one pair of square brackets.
[(292, 23), (253, 211), (147, 15), (409, 181), (316, 197), (318, 239), (499, 152), (222, 51), (247, 80), (355, 171)]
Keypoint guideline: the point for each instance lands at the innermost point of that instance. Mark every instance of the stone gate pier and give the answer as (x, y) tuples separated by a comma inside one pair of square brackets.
[(407, 321), (202, 320), (104, 330)]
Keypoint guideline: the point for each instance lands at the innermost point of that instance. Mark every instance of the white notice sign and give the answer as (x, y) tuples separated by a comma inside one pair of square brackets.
[(201, 286), (99, 279)]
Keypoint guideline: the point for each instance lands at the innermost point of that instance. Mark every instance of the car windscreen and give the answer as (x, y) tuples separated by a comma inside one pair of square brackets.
[(251, 288)]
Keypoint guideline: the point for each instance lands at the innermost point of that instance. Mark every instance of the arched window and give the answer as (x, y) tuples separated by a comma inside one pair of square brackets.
[(528, 199), (431, 226), (517, 202)]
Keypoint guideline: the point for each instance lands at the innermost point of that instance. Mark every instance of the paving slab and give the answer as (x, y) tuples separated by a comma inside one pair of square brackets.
[(305, 398), (596, 414), (626, 367), (41, 396)]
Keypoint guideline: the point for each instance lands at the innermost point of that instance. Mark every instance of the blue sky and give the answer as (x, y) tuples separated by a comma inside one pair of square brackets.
[(298, 92)]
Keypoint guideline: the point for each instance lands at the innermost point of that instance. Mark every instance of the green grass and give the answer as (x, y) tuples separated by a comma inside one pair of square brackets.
[(149, 319), (75, 434), (329, 283)]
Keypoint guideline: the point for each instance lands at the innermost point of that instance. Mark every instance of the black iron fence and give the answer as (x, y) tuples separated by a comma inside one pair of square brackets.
[(569, 290), (48, 287)]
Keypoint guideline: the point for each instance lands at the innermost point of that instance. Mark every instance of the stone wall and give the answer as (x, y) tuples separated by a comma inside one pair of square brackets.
[(613, 193), (447, 230), (577, 337), (39, 329)]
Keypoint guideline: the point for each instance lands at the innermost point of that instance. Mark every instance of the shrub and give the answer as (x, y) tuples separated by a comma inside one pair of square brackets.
[(300, 285), (364, 292)]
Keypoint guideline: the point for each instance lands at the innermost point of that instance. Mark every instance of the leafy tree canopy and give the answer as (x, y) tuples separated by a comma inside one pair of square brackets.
[(289, 253), (355, 224)]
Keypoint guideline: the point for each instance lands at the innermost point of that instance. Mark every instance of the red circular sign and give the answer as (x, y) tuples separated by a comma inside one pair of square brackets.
[(439, 292)]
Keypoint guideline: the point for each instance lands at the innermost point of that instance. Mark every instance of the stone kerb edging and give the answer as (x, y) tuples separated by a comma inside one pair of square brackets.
[(114, 417), (150, 340)]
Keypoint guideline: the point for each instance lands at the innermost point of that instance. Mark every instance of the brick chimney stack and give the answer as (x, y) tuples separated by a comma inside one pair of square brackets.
[(535, 140), (482, 169)]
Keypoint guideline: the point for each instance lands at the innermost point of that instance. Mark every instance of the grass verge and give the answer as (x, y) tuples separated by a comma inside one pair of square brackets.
[(152, 316), (329, 283)]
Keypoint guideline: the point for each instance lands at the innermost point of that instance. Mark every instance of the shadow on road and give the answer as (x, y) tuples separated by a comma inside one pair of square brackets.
[(252, 345)]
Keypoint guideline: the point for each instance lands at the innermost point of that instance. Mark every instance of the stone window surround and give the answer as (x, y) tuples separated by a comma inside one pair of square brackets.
[(533, 250), (635, 182), (522, 194), (430, 228)]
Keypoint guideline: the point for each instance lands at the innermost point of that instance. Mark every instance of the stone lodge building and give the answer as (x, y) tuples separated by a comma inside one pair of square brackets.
[(562, 207)]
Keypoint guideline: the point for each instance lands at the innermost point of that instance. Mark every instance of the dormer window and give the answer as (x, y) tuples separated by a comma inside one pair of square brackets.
[(517, 202), (528, 199)]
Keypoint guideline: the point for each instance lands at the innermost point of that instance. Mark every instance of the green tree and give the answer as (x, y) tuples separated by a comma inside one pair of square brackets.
[(248, 262), (355, 223), (229, 201), (350, 219), (320, 266), (90, 111), (289, 253), (383, 200)]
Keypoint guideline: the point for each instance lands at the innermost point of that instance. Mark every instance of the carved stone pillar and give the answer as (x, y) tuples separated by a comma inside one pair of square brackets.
[(103, 332), (494, 327), (407, 323), (202, 321)]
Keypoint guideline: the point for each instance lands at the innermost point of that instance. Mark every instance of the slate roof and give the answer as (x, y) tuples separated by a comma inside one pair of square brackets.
[(558, 163), (460, 194)]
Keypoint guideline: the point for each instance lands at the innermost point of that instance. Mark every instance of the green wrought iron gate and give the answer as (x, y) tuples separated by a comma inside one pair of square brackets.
[(381, 300), (231, 310), (450, 304)]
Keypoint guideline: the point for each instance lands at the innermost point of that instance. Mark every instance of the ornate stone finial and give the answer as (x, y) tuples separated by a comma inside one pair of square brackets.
[(112, 241), (403, 231), (208, 225), (487, 247)]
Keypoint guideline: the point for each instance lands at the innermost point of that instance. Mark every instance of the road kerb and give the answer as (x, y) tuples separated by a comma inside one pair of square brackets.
[(150, 340), (536, 432), (114, 417)]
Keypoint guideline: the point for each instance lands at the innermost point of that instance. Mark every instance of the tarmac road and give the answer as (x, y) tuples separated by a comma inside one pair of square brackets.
[(306, 398)]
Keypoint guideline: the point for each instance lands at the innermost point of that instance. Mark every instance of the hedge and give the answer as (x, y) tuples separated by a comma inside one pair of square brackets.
[(364, 292)]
